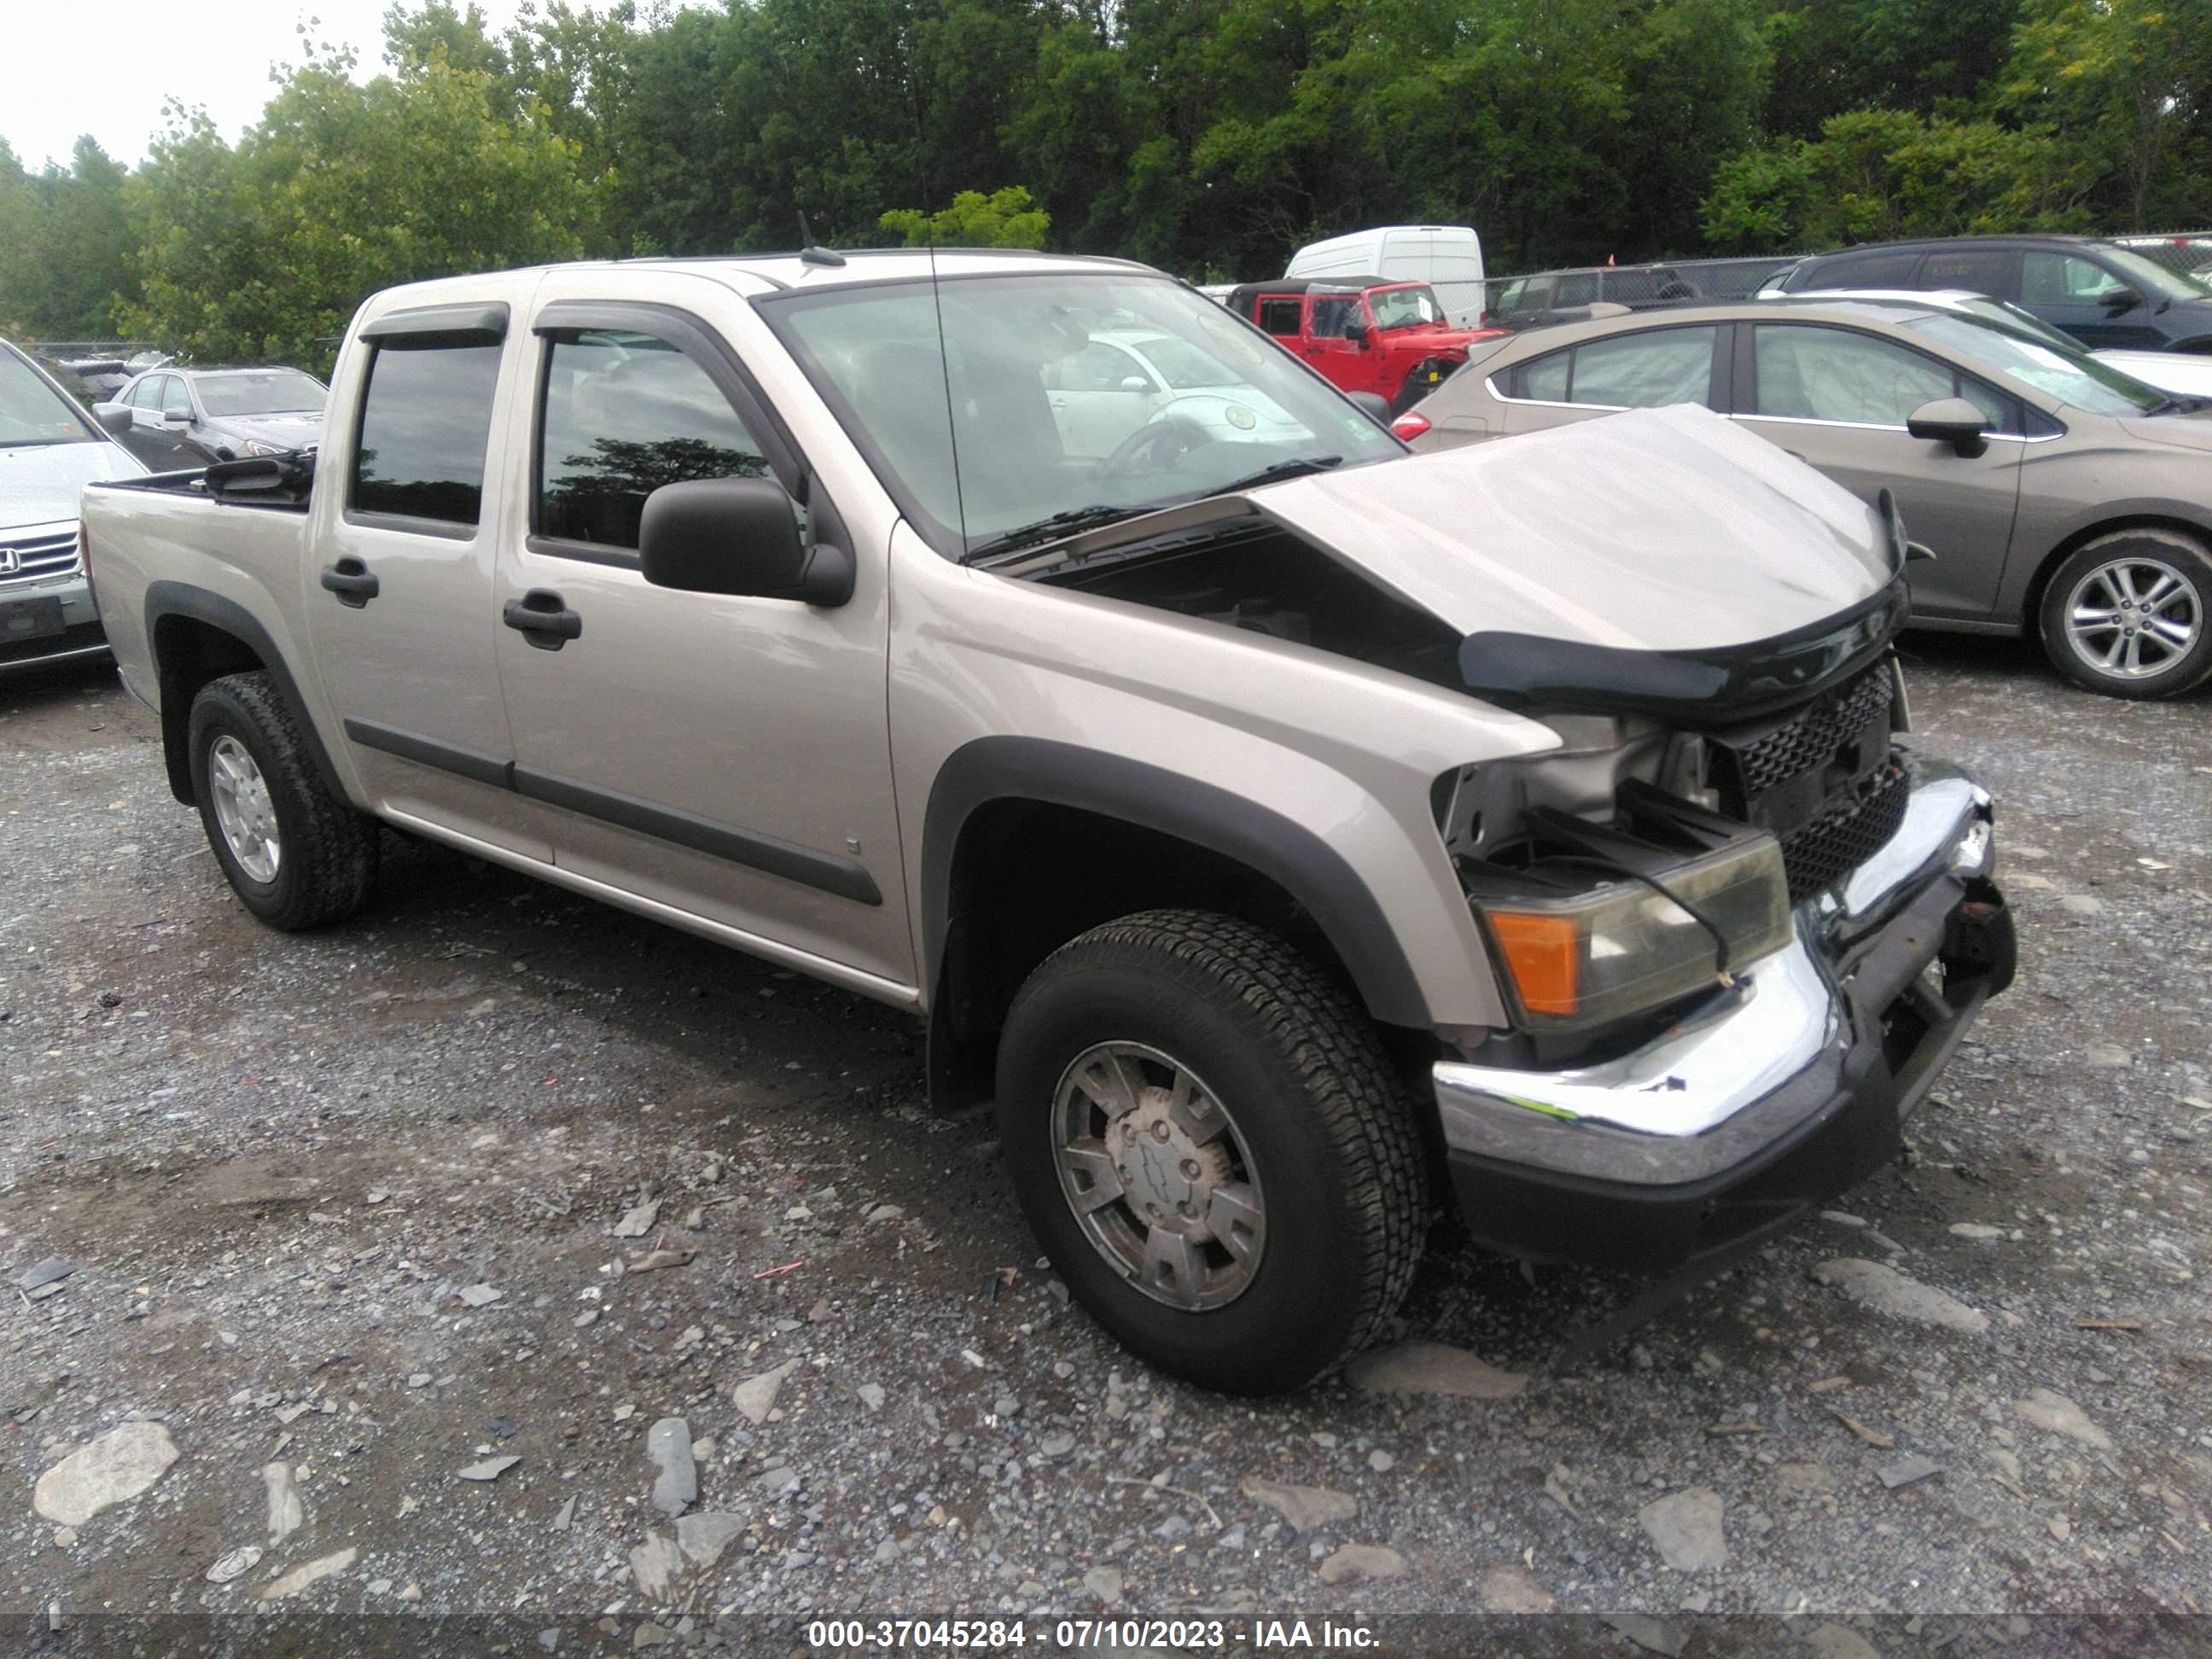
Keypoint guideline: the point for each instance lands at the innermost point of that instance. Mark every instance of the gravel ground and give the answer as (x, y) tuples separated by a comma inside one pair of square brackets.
[(403, 1237)]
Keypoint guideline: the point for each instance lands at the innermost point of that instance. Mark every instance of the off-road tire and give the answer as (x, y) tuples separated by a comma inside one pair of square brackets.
[(328, 863), (2181, 553), (1297, 1065)]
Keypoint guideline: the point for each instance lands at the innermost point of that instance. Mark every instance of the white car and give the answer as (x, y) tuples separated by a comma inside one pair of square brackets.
[(1125, 381)]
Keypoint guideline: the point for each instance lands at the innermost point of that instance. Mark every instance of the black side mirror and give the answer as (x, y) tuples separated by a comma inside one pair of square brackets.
[(737, 536), (1953, 420), (2123, 298), (1375, 404), (115, 419), (1356, 331)]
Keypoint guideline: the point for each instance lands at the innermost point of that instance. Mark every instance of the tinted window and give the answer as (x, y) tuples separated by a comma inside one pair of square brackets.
[(1831, 374), (1546, 378), (1867, 270), (624, 415), (1984, 270), (424, 421), (1279, 316), (1333, 314), (1579, 289), (1644, 370), (2060, 279), (1508, 297)]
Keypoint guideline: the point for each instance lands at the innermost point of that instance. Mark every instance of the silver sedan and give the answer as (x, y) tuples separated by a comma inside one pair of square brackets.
[(2055, 493)]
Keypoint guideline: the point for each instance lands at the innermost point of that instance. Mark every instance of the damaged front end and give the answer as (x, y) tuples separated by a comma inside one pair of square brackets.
[(1803, 922)]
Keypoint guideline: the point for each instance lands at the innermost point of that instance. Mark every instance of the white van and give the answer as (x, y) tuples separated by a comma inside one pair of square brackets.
[(1448, 257)]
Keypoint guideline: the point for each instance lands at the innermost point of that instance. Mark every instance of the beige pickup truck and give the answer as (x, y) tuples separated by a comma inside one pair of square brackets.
[(1282, 829)]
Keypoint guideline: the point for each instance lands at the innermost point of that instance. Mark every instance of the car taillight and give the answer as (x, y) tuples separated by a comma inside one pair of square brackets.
[(1410, 425)]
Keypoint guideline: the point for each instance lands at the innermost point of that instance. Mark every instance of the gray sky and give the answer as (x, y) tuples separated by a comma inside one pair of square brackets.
[(105, 66)]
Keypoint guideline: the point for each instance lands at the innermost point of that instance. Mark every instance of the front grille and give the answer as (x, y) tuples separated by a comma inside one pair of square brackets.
[(1813, 734), (1817, 856), (37, 558), (1824, 778)]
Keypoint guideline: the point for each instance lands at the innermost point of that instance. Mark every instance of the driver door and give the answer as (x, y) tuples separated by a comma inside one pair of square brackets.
[(1100, 398), (2064, 290), (1349, 365)]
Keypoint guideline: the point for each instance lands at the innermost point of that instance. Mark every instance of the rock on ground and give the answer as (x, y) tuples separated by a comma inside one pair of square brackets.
[(653, 1562), (1432, 1368), (1687, 1526), (1514, 1589), (2056, 1414), (1659, 1636), (113, 1468), (756, 1396), (310, 1572), (1351, 1564), (1840, 1642), (668, 1446), (1885, 1290), (703, 1537), (285, 1513), (1306, 1508), (1104, 1585)]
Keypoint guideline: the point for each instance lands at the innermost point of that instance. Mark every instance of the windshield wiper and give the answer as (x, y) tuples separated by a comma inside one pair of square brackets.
[(1052, 527), (1297, 467), (2172, 405)]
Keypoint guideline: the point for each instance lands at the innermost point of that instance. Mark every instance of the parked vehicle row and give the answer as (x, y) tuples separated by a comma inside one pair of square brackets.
[(172, 416), (2057, 493), (49, 451), (1277, 826)]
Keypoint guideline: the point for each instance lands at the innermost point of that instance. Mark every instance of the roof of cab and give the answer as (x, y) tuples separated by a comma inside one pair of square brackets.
[(792, 270)]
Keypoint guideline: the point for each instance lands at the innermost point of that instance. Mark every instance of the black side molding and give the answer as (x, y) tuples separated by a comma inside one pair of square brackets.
[(429, 751), (1287, 852), (844, 877)]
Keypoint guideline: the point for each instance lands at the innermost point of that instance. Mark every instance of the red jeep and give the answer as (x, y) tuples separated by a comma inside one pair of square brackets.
[(1361, 333)]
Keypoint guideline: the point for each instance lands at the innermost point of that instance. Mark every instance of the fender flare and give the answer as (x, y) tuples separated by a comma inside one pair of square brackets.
[(174, 598), (1152, 798)]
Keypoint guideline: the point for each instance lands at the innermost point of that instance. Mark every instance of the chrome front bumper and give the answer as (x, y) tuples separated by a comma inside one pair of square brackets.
[(1752, 1067)]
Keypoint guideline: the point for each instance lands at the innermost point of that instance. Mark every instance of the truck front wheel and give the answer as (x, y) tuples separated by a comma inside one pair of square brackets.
[(295, 854), (1204, 1137)]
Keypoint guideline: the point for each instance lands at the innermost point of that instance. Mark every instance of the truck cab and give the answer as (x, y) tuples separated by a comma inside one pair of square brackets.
[(1361, 333)]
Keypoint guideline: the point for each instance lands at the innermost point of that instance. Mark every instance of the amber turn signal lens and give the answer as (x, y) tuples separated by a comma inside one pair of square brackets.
[(1544, 954)]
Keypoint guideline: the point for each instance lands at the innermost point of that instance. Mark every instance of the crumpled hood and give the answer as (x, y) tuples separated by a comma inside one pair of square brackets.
[(1655, 530), (39, 483)]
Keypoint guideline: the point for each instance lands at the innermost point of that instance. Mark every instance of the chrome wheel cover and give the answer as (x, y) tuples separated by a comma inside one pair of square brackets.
[(243, 810), (2133, 618), (1158, 1175)]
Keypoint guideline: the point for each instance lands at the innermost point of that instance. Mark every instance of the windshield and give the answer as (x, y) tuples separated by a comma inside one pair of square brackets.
[(32, 412), (2005, 314), (263, 391), (1405, 308), (997, 431), (2153, 278), (2070, 377)]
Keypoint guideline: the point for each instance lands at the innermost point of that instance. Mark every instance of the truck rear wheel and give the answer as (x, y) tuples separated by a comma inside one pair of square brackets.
[(1204, 1137), (295, 854)]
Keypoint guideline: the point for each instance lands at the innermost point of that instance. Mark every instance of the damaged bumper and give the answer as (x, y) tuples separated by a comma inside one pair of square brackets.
[(1772, 1096)]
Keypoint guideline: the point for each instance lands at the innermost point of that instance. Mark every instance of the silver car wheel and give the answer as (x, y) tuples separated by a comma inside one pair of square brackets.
[(1158, 1175), (2134, 617), (243, 810)]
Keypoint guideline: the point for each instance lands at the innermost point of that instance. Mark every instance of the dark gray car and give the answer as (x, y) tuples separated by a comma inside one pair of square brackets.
[(176, 417), (2057, 493), (2107, 297)]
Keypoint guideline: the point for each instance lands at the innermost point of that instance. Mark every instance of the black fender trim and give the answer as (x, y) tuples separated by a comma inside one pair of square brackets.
[(1285, 852), (172, 598)]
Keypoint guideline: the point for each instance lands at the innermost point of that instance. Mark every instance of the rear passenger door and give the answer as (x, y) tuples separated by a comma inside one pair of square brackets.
[(726, 755), (1649, 368), (399, 596), (1838, 399)]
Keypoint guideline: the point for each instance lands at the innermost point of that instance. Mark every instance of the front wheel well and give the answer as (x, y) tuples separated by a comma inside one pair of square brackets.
[(2031, 603), (188, 652), (1028, 876)]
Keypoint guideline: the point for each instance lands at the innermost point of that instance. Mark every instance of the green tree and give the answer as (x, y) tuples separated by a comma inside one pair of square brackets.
[(65, 244), (1005, 218)]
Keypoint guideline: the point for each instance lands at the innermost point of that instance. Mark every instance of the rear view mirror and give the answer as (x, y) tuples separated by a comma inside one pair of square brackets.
[(737, 536), (1356, 331), (2122, 298), (115, 419), (1377, 406), (1953, 420)]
